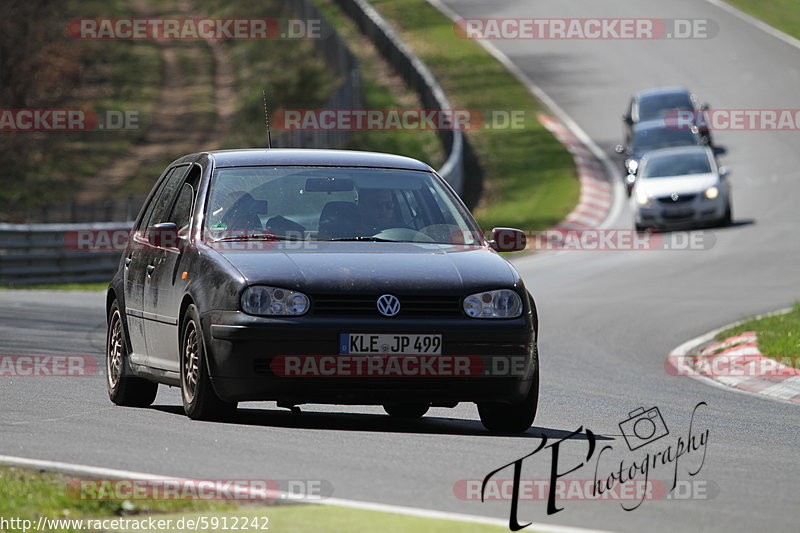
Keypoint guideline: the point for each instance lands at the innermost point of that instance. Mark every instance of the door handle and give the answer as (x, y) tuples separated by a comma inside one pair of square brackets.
[(150, 269)]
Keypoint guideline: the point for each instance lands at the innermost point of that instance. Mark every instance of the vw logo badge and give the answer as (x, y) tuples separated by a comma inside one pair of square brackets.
[(388, 305), (675, 197)]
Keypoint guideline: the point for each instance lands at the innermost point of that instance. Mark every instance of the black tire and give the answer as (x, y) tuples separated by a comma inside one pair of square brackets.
[(727, 218), (406, 410), (512, 418), (200, 402), (123, 389)]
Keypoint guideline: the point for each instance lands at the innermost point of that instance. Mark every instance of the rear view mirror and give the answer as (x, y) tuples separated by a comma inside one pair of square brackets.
[(329, 185), (724, 172), (508, 240)]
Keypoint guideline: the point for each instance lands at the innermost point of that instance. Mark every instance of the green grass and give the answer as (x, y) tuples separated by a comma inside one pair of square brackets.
[(529, 177), (382, 89), (778, 335), (46, 167), (327, 519), (59, 287), (291, 71), (782, 14), (28, 494)]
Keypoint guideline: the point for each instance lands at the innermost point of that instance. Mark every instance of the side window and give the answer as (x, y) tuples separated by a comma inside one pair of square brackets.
[(148, 212), (166, 193), (182, 210)]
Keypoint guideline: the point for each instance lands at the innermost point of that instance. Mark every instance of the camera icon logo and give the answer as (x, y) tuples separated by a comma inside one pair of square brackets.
[(643, 427)]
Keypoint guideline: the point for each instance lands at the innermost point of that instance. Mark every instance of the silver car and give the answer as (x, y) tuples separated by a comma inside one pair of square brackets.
[(681, 187)]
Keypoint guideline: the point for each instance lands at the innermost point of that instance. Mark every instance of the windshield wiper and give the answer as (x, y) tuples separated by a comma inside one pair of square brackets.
[(361, 238), (256, 237)]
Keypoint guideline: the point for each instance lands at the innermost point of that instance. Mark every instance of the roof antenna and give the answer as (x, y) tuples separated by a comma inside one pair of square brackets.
[(266, 118)]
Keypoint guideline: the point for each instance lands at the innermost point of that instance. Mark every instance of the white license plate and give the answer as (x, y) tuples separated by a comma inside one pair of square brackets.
[(389, 343)]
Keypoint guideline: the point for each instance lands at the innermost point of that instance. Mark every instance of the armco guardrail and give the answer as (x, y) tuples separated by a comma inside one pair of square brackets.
[(417, 75), (39, 253)]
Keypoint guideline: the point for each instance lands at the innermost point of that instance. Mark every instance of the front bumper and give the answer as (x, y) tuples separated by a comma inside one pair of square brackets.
[(697, 212), (245, 354)]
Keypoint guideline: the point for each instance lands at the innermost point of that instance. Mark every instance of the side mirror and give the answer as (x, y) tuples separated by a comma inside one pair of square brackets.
[(508, 240), (163, 235), (719, 150), (724, 172), (619, 149), (705, 107), (627, 119)]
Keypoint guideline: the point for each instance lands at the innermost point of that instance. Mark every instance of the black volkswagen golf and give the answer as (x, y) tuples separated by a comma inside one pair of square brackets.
[(319, 276)]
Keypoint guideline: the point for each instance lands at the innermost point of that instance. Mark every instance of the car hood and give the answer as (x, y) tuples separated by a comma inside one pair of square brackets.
[(696, 183), (369, 267)]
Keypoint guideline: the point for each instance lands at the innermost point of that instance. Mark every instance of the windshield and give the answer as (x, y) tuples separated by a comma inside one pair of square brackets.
[(677, 165), (657, 106), (335, 204), (654, 138)]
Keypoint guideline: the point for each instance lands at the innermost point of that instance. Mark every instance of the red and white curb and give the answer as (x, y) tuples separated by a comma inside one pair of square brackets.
[(735, 363), (596, 197)]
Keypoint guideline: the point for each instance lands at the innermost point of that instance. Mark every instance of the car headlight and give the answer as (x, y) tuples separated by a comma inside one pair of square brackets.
[(503, 303), (643, 199), (711, 193), (632, 166), (263, 300)]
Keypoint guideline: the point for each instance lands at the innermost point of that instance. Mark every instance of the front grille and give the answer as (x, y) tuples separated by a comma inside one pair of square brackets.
[(410, 305), (680, 199), (676, 215)]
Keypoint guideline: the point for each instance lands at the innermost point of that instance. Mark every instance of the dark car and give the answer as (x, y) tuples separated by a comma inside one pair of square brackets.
[(319, 276), (660, 103), (653, 135)]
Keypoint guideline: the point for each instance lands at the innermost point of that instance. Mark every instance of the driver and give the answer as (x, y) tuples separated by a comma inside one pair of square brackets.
[(377, 209)]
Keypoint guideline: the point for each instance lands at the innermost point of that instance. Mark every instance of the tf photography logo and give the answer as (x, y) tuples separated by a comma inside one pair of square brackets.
[(642, 429)]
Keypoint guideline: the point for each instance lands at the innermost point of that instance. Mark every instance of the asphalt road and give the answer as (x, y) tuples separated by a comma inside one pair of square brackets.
[(608, 320)]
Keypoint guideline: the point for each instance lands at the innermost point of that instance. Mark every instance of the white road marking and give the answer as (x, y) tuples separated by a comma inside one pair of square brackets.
[(577, 131), (758, 23), (113, 473)]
